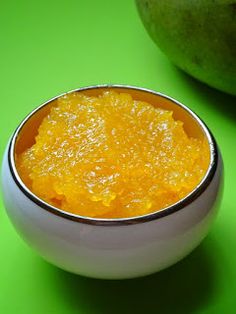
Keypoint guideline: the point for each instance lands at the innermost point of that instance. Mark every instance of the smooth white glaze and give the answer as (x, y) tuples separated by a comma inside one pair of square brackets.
[(112, 252)]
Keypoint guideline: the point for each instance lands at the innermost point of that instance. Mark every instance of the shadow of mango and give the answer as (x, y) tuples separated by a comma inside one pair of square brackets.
[(217, 100)]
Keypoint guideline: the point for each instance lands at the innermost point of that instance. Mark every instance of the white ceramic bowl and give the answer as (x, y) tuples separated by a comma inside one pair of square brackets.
[(113, 248)]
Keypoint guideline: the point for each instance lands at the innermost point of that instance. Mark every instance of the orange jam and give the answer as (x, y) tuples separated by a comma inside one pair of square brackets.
[(111, 156)]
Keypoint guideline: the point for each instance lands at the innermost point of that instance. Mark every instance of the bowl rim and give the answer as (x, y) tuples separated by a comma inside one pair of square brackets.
[(199, 189)]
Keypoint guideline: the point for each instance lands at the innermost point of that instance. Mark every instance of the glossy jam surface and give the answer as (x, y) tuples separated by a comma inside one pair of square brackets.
[(111, 156)]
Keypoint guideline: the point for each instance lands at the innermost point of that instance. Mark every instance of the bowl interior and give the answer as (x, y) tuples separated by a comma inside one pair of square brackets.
[(24, 137)]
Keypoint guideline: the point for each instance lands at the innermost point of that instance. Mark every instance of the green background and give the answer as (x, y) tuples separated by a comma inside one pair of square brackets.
[(48, 47)]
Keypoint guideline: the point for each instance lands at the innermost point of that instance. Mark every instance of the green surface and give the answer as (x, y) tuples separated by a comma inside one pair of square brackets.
[(48, 47)]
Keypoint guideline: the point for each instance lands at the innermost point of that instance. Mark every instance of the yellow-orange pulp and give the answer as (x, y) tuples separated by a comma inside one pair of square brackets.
[(111, 156)]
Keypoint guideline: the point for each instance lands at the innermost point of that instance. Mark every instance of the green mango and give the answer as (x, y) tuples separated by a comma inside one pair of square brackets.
[(199, 36)]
